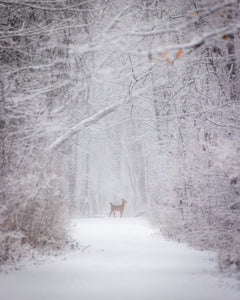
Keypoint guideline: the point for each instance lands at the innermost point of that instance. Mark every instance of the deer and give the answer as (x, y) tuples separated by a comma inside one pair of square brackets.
[(119, 208)]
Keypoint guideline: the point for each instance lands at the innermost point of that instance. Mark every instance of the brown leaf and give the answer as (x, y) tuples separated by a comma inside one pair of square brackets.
[(169, 61), (179, 53)]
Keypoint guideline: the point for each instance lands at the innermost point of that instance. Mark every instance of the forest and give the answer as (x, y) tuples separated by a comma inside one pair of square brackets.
[(108, 99)]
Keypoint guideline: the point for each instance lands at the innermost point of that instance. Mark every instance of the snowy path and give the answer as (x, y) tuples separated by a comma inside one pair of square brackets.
[(124, 261)]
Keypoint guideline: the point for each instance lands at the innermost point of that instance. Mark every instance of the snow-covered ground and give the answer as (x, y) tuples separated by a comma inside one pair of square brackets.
[(124, 260)]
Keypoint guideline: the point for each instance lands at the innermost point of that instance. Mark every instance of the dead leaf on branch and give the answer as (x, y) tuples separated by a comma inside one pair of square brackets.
[(179, 53), (169, 61)]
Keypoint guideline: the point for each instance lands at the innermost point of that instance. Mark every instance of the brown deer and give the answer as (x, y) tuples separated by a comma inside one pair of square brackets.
[(119, 208)]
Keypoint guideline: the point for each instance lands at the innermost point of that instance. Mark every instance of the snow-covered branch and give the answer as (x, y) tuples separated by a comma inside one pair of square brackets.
[(84, 123), (52, 6), (195, 43)]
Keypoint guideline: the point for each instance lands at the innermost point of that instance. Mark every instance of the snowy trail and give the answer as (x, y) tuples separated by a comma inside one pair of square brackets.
[(124, 260)]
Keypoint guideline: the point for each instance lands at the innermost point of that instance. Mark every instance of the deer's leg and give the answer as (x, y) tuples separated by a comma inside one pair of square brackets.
[(110, 213), (114, 214), (121, 212)]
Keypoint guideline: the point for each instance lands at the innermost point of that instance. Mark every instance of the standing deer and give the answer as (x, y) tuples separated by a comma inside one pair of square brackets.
[(119, 208)]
